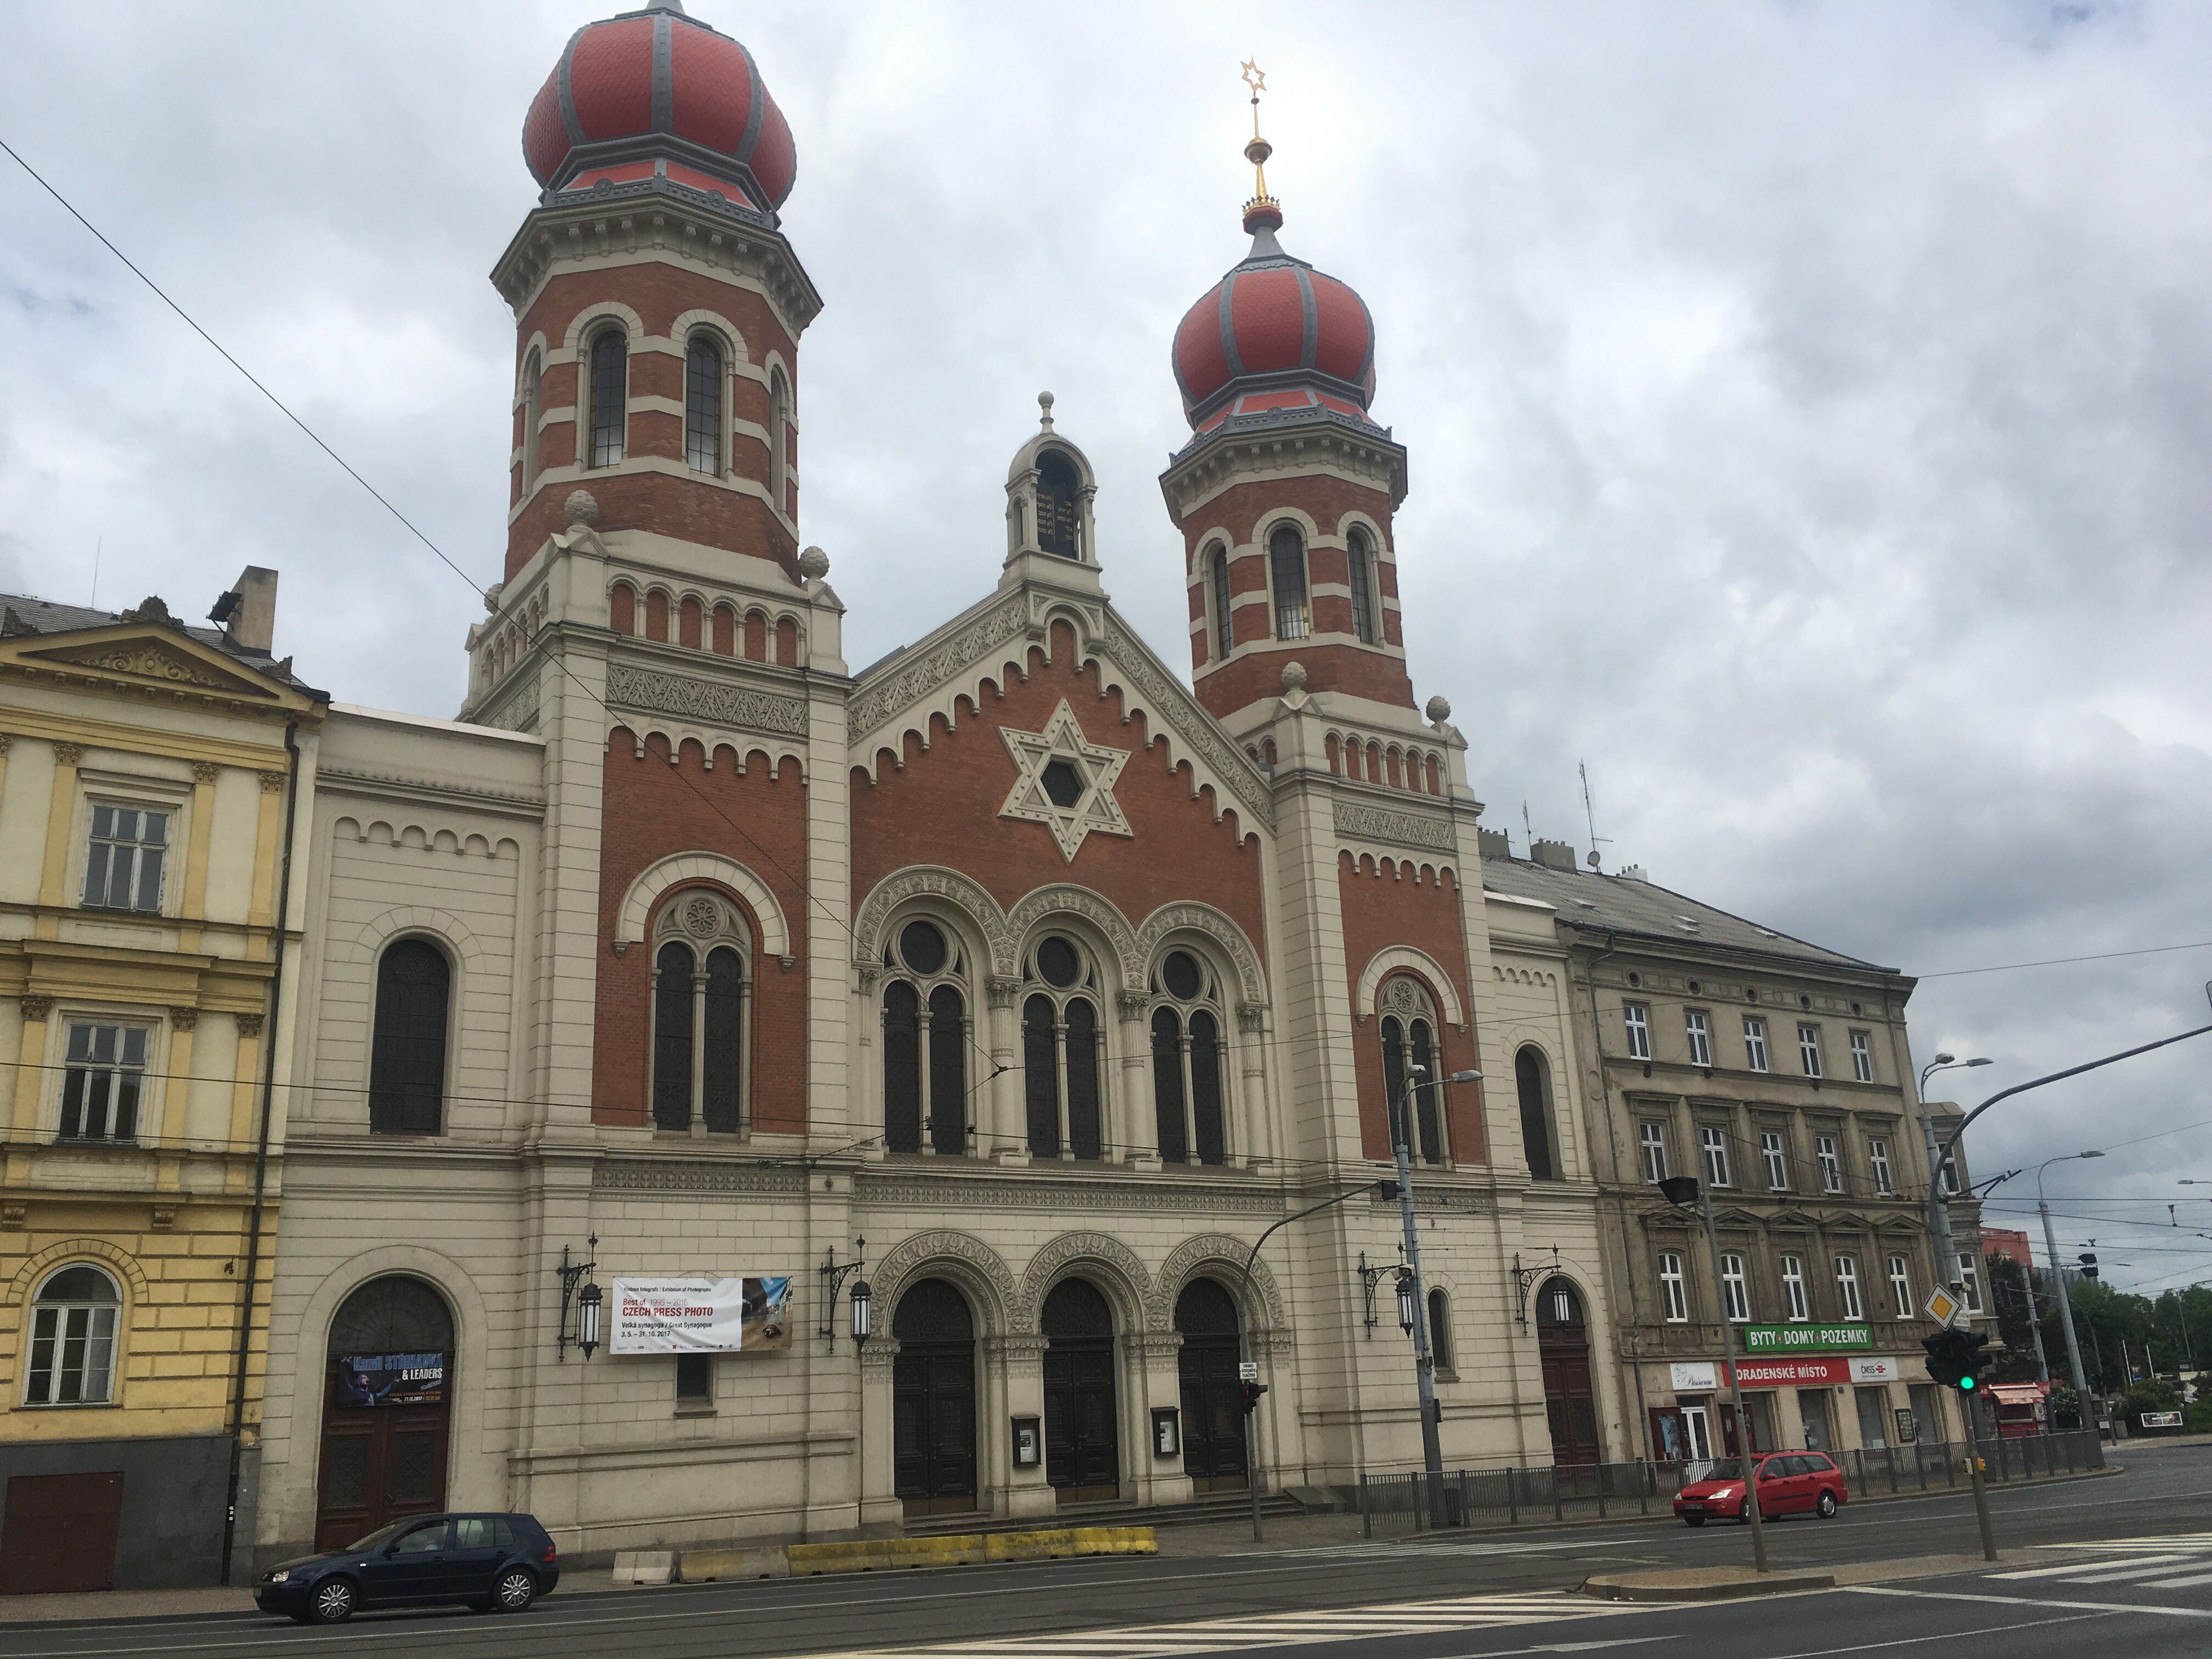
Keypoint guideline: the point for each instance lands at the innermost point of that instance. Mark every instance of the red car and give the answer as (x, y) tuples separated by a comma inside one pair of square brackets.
[(1790, 1483)]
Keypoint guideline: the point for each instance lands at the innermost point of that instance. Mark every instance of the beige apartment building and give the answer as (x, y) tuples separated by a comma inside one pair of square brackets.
[(1781, 1075)]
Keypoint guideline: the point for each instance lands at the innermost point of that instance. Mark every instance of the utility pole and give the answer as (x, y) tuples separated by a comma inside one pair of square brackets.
[(1424, 1359), (2081, 1406), (1681, 1191)]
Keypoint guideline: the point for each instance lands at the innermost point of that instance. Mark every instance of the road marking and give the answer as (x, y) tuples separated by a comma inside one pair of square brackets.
[(2189, 1583), (2121, 1577), (1938, 1635), (2022, 1600), (2155, 1562)]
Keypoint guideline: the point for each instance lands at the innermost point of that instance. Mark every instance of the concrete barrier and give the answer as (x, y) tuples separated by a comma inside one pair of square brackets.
[(762, 1561), (645, 1567), (1055, 1543), (699, 1566)]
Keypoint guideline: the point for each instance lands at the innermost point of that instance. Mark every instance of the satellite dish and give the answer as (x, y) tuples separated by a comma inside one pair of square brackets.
[(1592, 862)]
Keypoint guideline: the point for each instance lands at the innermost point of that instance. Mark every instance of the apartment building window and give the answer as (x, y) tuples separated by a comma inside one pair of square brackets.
[(105, 1072), (73, 1339), (1793, 1289), (1970, 1279), (1777, 1161), (1808, 1049), (1878, 1163), (123, 862), (1671, 1291), (1832, 1163), (1654, 1138), (1699, 1028), (1712, 1140), (1754, 1043), (1639, 1029), (1900, 1287), (1847, 1288), (1863, 1056), (1736, 1291)]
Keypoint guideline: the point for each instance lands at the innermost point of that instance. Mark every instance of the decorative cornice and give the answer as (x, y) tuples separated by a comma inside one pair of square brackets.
[(431, 787), (1192, 724), (1017, 1192), (735, 706), (1281, 443), (668, 1175), (1358, 822), (908, 682)]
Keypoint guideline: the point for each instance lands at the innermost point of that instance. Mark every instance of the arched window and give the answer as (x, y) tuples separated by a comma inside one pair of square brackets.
[(779, 441), (1188, 1094), (1059, 505), (1287, 560), (1409, 1026), (1440, 1331), (609, 395), (1359, 568), (701, 1016), (1063, 1061), (925, 1040), (534, 375), (407, 1056), (702, 404), (73, 1339), (1535, 1114), (1225, 621)]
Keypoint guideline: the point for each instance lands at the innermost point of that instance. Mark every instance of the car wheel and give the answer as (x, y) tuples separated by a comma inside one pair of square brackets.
[(334, 1602), (1693, 1520), (516, 1589), (1827, 1505)]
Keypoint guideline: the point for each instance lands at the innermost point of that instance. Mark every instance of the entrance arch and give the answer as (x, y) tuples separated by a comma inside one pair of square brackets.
[(1563, 1345), (1212, 1400), (933, 1400), (1082, 1438), (387, 1405)]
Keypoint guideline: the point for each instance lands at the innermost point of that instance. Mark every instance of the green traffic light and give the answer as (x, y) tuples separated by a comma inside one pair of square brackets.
[(1967, 1384)]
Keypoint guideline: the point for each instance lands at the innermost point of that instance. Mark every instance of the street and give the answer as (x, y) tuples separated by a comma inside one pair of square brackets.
[(2117, 1565)]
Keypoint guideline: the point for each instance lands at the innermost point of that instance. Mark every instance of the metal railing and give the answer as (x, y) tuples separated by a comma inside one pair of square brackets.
[(1544, 1494)]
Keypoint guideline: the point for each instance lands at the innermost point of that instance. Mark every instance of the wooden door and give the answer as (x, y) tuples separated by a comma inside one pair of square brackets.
[(1212, 1412), (380, 1463), (1082, 1444), (58, 1532), (934, 1426), (1570, 1405)]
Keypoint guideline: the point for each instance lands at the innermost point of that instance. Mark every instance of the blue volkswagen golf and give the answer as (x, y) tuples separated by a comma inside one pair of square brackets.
[(492, 1563)]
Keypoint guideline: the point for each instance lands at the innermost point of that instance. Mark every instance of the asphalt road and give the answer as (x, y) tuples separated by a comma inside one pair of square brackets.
[(2106, 1567)]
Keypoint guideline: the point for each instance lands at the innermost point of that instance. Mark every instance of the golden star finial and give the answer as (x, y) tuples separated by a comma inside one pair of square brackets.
[(1259, 149), (1254, 77)]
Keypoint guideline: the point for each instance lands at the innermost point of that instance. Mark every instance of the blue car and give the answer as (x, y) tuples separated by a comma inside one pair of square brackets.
[(492, 1563)]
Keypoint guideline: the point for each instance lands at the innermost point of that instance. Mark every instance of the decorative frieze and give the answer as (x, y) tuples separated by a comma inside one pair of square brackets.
[(737, 707), (1129, 1197), (1356, 821), (908, 683), (668, 1175)]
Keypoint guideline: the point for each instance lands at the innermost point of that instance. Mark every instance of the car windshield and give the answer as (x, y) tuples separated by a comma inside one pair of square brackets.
[(381, 1536)]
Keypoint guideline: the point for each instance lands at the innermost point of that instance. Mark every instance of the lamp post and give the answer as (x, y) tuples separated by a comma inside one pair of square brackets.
[(1939, 1209), (2066, 1302), (1424, 1359), (1685, 1193)]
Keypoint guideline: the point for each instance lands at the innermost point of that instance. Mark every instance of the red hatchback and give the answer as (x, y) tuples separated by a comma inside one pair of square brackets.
[(1790, 1483)]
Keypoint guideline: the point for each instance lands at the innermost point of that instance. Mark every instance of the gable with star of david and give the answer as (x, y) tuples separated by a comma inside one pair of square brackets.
[(1066, 783)]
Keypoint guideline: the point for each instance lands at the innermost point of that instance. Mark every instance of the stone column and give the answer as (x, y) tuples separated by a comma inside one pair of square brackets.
[(1019, 1361), (1008, 1134), (1158, 1379), (1141, 1122), (874, 1473), (1254, 1096)]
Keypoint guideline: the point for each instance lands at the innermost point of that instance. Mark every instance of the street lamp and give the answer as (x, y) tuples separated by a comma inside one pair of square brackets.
[(1409, 1286), (2066, 1302), (1939, 1217), (1688, 1193), (863, 1313), (1405, 1300)]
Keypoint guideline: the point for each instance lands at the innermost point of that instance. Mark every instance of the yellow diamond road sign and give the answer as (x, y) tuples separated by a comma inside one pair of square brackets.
[(1941, 1306)]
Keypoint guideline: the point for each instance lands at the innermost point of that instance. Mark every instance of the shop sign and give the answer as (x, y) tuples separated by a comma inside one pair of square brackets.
[(1790, 1373), (391, 1379), (698, 1314), (1694, 1376), (1888, 1368), (1805, 1338)]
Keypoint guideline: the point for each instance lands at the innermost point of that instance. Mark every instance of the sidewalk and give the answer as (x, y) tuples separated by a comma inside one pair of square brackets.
[(1720, 1583)]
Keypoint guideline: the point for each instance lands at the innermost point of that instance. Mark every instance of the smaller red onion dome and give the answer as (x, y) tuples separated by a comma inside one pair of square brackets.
[(1275, 335), (655, 92)]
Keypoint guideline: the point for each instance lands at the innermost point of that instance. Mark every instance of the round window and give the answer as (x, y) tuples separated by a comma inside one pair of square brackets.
[(1180, 973), (921, 947), (1057, 963)]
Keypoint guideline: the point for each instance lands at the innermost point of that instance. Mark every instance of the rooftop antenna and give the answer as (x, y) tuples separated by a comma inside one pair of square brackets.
[(1589, 812), (96, 546), (1527, 830)]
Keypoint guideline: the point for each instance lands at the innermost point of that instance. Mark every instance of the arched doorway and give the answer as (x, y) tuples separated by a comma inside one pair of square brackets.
[(1212, 1402), (1563, 1345), (387, 1403), (1082, 1442), (933, 1400)]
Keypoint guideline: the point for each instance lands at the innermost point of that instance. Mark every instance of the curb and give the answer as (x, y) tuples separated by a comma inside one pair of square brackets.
[(1646, 1587), (701, 1566)]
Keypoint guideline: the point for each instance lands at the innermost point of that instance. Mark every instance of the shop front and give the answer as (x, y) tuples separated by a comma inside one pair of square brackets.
[(1819, 1402)]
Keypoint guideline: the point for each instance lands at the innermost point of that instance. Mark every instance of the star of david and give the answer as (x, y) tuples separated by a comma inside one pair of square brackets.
[(1066, 783)]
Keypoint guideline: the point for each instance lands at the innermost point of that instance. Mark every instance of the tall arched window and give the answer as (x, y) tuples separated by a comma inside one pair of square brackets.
[(779, 441), (407, 1055), (925, 1040), (1188, 1095), (1286, 561), (1440, 1330), (701, 1016), (1409, 1027), (1359, 563), (533, 377), (1059, 505), (1535, 1114), (1063, 1061), (610, 396), (73, 1339), (702, 404), (1225, 621)]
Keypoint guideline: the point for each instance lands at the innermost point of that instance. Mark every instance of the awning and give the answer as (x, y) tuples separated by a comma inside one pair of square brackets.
[(2016, 1394)]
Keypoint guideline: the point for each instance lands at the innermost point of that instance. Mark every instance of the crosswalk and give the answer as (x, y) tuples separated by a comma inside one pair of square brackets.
[(1429, 1545), (2179, 1561), (1270, 1630)]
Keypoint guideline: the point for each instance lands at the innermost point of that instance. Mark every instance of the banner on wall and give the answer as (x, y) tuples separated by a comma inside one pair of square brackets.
[(695, 1314), (391, 1379)]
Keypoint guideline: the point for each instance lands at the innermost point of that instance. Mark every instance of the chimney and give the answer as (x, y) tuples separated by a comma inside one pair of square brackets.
[(1553, 854), (1633, 872), (248, 612), (1492, 844)]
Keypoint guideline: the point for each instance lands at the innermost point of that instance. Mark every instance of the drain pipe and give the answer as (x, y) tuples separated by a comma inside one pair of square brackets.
[(261, 1153), (1620, 1204)]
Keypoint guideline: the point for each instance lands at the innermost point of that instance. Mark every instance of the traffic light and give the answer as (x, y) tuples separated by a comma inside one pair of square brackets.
[(1251, 1392), (2089, 1264), (1955, 1359)]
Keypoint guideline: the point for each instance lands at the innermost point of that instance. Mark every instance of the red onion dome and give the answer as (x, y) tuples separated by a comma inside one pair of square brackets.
[(656, 92), (1274, 336)]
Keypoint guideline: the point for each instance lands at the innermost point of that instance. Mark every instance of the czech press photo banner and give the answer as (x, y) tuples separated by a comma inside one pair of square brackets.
[(694, 1314)]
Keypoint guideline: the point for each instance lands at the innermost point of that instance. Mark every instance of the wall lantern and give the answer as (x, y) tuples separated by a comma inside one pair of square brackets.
[(863, 1312), (1405, 1309), (834, 1274), (587, 1319), (586, 1304)]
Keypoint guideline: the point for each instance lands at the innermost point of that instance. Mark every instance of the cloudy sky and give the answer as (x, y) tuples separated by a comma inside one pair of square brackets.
[(1807, 407)]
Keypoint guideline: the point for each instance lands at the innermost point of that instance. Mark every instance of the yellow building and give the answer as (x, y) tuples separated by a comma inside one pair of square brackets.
[(150, 774)]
